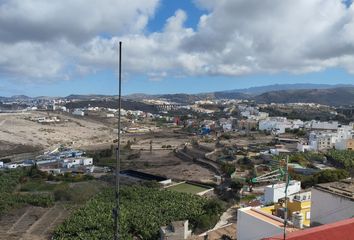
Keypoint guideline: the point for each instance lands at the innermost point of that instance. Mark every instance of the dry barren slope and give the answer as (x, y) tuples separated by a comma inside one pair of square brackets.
[(18, 129)]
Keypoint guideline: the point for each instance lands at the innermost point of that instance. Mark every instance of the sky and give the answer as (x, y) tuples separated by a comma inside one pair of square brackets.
[(58, 48)]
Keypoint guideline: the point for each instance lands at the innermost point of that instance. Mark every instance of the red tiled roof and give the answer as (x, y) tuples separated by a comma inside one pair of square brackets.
[(342, 230)]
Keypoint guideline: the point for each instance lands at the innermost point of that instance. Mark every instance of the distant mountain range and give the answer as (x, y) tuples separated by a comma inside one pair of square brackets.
[(279, 87), (279, 93), (334, 95), (330, 96)]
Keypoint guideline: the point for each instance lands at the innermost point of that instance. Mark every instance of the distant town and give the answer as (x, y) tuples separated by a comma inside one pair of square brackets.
[(282, 168)]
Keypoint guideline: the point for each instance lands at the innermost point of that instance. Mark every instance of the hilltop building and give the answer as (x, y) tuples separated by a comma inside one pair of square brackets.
[(278, 125)]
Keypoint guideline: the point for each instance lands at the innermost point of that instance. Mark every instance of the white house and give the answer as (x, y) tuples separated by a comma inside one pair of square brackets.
[(78, 112), (272, 193), (254, 224), (73, 162), (323, 140), (344, 133), (302, 147), (332, 202), (1, 164), (86, 161), (11, 165), (275, 124), (297, 123), (322, 125)]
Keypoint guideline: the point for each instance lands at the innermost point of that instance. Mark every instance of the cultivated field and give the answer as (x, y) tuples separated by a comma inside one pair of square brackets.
[(31, 223)]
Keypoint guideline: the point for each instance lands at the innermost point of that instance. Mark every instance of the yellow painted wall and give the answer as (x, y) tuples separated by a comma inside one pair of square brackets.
[(268, 209), (296, 206), (304, 207)]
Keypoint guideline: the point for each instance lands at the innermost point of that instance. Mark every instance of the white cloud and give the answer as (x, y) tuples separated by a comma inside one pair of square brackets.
[(75, 20), (51, 40)]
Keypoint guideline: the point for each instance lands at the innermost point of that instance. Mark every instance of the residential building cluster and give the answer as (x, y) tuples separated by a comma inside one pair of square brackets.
[(341, 138), (327, 205), (58, 161)]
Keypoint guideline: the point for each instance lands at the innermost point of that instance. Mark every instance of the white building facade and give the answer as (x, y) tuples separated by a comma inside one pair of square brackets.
[(272, 193), (332, 202), (254, 224)]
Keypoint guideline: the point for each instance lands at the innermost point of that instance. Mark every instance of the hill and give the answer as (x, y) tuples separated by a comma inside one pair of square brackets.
[(331, 96), (278, 87)]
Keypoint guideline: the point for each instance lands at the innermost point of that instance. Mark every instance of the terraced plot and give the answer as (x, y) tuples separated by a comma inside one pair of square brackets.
[(31, 223)]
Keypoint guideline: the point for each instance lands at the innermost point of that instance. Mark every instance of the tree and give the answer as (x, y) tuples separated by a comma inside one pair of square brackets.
[(236, 185), (228, 169)]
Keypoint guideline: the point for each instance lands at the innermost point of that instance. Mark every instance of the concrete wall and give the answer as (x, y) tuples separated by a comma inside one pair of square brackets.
[(252, 228), (273, 193), (329, 208)]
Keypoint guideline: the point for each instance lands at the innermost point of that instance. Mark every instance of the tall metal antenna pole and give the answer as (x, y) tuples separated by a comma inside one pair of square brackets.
[(116, 210), (286, 196)]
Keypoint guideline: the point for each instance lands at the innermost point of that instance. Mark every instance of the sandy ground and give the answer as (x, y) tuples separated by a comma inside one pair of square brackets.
[(18, 129), (164, 163)]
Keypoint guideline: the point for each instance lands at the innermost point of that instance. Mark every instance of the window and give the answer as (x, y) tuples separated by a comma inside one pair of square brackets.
[(308, 215)]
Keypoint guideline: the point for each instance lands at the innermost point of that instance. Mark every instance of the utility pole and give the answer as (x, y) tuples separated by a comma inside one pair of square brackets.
[(116, 209)]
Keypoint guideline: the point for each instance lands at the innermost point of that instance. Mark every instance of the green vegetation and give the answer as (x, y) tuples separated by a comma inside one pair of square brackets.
[(297, 132), (10, 199), (106, 157), (228, 168), (341, 158), (248, 198), (306, 114), (225, 136), (321, 177), (188, 188), (142, 211), (236, 185), (77, 193), (305, 159), (29, 186), (70, 177), (36, 185)]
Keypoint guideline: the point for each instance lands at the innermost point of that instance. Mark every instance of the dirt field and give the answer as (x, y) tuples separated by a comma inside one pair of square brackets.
[(18, 129), (164, 163), (31, 223), (8, 149), (241, 140)]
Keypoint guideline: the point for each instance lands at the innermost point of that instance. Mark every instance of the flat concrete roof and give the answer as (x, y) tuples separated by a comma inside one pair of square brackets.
[(344, 188), (274, 220)]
